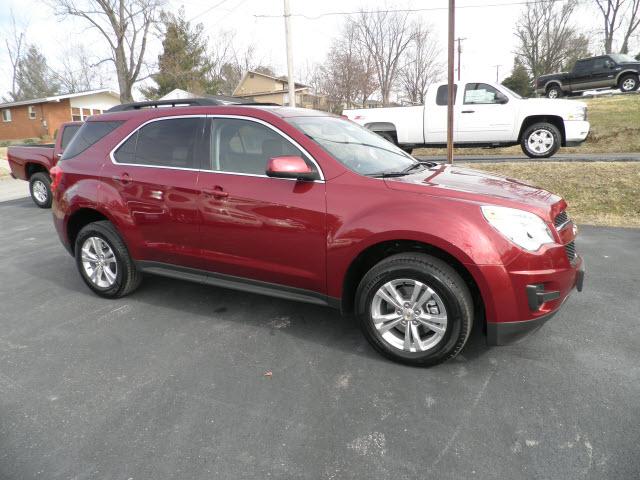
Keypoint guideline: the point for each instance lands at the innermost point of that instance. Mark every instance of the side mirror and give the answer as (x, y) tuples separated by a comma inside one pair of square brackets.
[(501, 98), (289, 167)]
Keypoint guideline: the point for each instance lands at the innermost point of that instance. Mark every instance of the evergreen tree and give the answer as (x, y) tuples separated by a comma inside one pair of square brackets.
[(519, 80), (183, 63), (34, 79)]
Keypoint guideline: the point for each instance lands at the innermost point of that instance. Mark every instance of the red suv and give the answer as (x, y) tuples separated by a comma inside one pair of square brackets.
[(307, 206)]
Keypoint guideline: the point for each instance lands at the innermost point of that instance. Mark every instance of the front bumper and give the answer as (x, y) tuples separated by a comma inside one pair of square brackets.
[(505, 333), (576, 132)]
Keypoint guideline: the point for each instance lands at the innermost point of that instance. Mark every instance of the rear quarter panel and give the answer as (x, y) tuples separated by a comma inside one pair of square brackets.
[(20, 156)]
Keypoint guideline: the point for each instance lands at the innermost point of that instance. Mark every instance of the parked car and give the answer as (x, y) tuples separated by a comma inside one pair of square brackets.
[(307, 206), (33, 163), (615, 70), (486, 115)]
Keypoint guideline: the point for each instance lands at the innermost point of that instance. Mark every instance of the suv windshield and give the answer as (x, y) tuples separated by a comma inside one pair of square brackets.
[(357, 148), (622, 58)]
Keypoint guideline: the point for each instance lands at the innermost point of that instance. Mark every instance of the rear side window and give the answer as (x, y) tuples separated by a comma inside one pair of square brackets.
[(164, 143), (87, 135), (67, 135), (442, 95)]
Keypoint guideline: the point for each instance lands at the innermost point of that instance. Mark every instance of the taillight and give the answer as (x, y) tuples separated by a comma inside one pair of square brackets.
[(56, 175)]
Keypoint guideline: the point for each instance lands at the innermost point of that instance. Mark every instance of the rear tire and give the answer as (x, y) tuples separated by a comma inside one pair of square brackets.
[(628, 83), (40, 189), (104, 262), (541, 140), (554, 91), (439, 315)]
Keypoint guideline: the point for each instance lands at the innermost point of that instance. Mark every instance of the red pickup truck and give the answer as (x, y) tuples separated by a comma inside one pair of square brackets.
[(307, 206), (33, 163)]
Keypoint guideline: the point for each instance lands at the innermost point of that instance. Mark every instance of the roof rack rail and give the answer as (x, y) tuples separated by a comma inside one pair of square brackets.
[(178, 102)]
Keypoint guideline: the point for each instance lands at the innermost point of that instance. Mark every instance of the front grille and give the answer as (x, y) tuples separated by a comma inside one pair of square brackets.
[(570, 248), (561, 219)]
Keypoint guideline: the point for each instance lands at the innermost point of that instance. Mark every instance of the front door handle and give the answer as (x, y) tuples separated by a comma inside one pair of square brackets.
[(468, 111)]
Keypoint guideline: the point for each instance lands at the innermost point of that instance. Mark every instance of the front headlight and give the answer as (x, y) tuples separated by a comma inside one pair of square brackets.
[(525, 229), (578, 113)]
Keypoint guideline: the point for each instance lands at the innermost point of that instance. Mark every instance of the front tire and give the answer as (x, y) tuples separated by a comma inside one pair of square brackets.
[(40, 189), (104, 262), (541, 140), (415, 309), (629, 83)]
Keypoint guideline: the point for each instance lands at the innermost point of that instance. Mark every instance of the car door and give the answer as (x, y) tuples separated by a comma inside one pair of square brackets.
[(435, 116), (485, 116), (581, 75), (253, 226), (603, 74), (155, 172)]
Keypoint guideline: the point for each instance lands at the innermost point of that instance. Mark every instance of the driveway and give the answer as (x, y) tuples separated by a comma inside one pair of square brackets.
[(172, 382)]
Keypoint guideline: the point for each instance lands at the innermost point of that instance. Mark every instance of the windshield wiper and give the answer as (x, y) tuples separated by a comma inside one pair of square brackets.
[(419, 164)]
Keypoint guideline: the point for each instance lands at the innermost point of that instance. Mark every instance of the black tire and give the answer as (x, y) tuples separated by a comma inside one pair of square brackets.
[(388, 136), (551, 129), (128, 277), (443, 280), (42, 180), (554, 91), (628, 83)]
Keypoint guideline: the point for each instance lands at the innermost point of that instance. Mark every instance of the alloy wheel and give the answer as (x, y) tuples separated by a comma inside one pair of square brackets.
[(629, 84), (408, 315), (99, 262), (39, 190), (540, 141)]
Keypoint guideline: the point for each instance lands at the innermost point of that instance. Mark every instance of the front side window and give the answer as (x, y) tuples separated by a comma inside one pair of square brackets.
[(32, 112), (243, 146), (88, 134), (6, 115), (164, 143), (480, 93), (357, 148)]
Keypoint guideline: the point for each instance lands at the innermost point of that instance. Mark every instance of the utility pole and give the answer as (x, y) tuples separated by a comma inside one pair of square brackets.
[(287, 33), (459, 40), (450, 74), (497, 73)]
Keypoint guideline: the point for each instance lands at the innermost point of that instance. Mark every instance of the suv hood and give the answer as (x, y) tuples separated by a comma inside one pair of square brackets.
[(480, 187)]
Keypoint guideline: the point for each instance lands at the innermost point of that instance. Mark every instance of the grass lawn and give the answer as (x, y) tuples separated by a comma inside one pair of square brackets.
[(615, 128), (598, 193)]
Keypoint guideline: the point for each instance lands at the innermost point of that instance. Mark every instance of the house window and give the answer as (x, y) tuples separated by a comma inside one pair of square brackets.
[(76, 114), (6, 115), (86, 113), (32, 112)]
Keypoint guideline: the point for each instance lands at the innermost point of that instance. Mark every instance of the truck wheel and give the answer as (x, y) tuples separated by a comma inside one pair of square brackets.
[(540, 140), (40, 189), (415, 309), (554, 91), (629, 83), (104, 261)]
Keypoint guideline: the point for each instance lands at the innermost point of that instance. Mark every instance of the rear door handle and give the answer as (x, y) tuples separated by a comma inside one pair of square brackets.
[(124, 179), (217, 192), (468, 111)]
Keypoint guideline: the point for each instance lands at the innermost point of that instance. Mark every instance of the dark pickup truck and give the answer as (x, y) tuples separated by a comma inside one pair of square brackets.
[(33, 163), (596, 73)]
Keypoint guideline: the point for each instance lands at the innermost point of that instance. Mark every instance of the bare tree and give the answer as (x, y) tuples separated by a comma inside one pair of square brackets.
[(547, 41), (422, 65), (632, 20), (385, 35), (15, 43), (125, 25), (611, 11), (79, 72)]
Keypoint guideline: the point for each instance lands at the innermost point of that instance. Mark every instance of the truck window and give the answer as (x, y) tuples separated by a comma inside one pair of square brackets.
[(480, 93), (87, 135), (583, 66), (442, 95), (67, 134)]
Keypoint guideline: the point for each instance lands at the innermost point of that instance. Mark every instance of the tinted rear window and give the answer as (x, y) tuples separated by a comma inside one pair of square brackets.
[(88, 135), (68, 134)]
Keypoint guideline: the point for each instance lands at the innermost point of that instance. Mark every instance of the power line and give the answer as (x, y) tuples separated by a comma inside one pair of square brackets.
[(207, 10), (405, 10)]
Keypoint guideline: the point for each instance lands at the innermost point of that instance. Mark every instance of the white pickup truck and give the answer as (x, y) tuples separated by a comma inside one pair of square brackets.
[(487, 114)]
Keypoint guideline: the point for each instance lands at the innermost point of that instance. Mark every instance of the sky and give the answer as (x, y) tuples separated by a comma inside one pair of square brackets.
[(488, 30)]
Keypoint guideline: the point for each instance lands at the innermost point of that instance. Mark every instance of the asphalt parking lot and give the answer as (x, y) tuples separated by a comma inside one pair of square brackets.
[(170, 382)]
